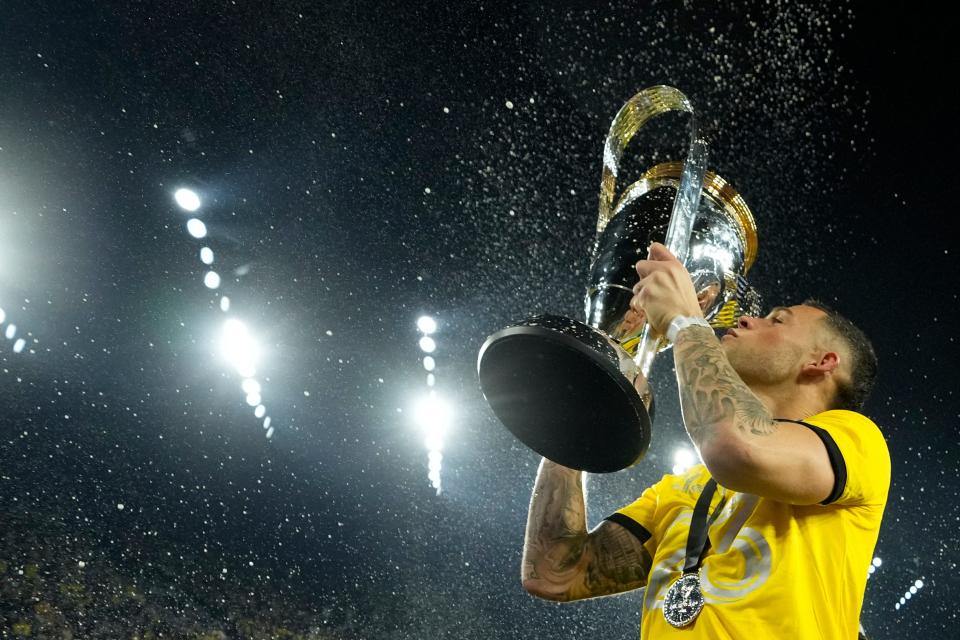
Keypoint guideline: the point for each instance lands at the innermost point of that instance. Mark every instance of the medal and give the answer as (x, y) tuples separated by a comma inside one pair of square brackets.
[(683, 601)]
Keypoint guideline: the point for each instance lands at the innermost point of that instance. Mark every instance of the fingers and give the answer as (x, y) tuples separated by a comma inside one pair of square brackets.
[(659, 251), (635, 303), (657, 256)]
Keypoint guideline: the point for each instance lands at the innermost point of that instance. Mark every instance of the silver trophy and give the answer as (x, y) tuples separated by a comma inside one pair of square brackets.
[(577, 392)]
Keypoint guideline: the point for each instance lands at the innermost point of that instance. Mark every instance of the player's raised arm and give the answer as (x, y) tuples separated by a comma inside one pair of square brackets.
[(562, 561)]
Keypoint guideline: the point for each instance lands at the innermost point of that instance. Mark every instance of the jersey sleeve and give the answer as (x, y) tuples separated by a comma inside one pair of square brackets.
[(638, 516), (858, 454)]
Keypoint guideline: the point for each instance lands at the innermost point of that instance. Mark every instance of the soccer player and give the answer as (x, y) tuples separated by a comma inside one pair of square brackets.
[(772, 535)]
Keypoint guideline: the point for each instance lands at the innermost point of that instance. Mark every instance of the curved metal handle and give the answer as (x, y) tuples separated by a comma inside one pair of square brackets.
[(632, 117)]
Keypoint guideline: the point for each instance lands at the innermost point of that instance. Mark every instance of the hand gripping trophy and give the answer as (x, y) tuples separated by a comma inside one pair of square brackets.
[(576, 392)]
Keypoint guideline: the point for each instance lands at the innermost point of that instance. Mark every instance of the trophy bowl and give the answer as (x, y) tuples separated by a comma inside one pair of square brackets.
[(577, 392)]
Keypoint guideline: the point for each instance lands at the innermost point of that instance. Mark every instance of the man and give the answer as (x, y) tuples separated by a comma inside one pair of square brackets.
[(772, 536)]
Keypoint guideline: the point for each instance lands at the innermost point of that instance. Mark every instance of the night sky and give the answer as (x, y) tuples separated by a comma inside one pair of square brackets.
[(362, 164)]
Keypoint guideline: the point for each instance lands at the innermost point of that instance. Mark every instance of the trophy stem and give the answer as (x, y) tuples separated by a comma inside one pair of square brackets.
[(646, 350)]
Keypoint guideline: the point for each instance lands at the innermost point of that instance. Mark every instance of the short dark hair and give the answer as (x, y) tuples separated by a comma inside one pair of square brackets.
[(851, 394)]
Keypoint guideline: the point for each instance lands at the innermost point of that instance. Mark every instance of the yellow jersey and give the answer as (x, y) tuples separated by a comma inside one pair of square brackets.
[(772, 569)]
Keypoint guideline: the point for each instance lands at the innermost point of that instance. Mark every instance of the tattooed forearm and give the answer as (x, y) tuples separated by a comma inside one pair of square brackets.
[(712, 395), (556, 524), (618, 562), (561, 560)]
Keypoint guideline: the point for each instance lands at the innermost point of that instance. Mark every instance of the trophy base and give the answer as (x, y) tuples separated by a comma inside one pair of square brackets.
[(556, 384)]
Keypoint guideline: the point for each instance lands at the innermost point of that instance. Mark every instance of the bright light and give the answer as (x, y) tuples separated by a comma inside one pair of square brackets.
[(196, 228), (266, 422), (3, 316), (212, 280), (433, 414), (426, 324), (260, 411), (250, 386), (206, 255), (11, 331), (918, 584), (19, 345), (224, 304), (427, 344), (683, 459), (431, 380), (433, 442), (187, 199), (239, 348), (253, 399), (429, 363), (877, 562), (270, 432)]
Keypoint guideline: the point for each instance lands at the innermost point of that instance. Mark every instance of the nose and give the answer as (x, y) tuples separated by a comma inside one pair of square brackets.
[(746, 322)]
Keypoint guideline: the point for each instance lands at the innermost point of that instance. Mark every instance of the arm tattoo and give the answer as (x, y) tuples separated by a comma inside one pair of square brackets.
[(556, 524), (561, 560), (711, 393), (619, 562)]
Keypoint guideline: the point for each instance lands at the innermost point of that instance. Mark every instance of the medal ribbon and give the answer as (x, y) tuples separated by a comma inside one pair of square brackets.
[(697, 540)]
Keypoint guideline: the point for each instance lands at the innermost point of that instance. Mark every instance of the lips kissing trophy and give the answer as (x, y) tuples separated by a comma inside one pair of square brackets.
[(577, 392)]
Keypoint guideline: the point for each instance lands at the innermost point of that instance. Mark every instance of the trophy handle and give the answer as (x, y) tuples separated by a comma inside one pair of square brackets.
[(631, 117)]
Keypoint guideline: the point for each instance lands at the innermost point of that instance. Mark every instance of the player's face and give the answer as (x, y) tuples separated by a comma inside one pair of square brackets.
[(773, 348)]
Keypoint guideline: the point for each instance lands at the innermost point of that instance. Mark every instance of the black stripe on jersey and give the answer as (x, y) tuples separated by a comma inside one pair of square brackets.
[(836, 459), (631, 525)]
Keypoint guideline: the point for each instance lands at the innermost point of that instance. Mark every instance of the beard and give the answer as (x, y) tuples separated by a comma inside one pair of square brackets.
[(761, 367)]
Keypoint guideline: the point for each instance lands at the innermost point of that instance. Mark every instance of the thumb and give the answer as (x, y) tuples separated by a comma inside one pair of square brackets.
[(658, 251)]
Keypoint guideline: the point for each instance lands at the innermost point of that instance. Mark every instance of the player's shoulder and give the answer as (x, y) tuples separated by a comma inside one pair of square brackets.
[(846, 420)]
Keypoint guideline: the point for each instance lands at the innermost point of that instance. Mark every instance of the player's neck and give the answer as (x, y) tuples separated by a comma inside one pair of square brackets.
[(790, 403)]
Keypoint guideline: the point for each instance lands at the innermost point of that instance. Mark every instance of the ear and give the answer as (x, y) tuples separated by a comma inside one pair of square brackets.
[(822, 363)]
